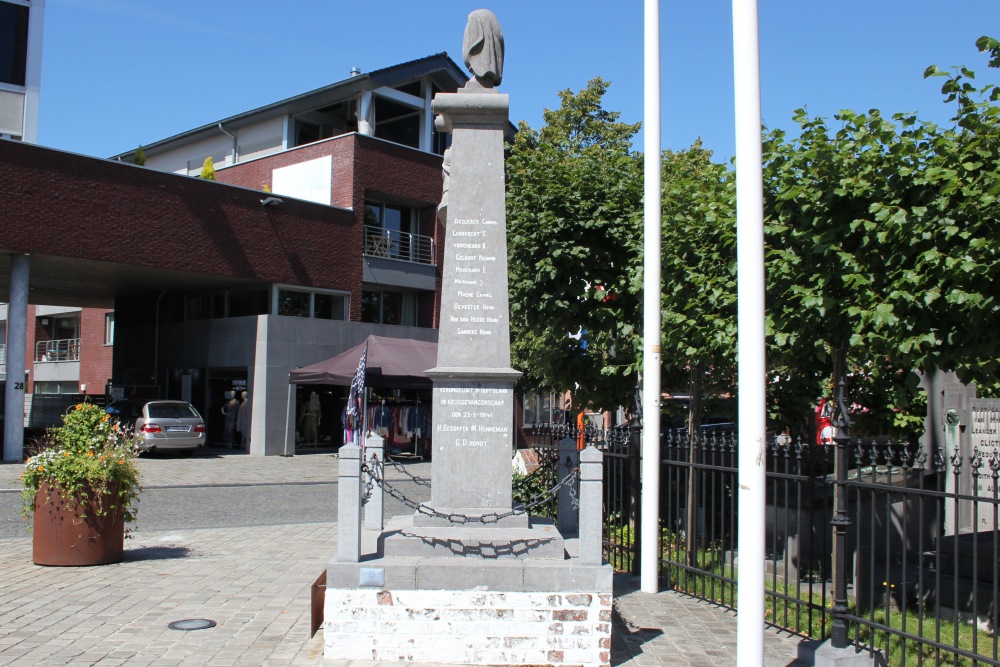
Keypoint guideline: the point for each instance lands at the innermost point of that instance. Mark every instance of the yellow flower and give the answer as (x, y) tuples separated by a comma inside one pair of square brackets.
[(65, 453), (41, 468)]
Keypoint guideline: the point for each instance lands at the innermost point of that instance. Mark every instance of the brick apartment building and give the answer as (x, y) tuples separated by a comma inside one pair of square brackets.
[(319, 230)]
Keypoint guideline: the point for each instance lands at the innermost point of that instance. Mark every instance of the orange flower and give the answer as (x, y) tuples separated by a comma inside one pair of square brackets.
[(41, 468), (79, 406), (90, 453), (105, 418), (121, 461)]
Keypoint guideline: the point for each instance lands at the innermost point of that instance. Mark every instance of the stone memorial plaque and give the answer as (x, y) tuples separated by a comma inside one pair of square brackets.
[(472, 422)]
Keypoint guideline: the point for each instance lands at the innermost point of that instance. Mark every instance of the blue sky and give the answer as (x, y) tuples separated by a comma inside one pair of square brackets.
[(118, 73)]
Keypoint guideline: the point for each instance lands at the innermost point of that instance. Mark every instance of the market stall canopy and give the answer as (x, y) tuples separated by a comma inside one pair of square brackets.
[(393, 363)]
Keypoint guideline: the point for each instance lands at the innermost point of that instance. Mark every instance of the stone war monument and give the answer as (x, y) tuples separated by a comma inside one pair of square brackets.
[(971, 455), (468, 578)]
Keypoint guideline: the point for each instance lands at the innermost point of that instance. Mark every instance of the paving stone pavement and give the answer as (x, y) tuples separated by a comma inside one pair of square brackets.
[(254, 582)]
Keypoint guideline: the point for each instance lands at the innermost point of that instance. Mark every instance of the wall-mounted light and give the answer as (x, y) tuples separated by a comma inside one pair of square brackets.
[(271, 201)]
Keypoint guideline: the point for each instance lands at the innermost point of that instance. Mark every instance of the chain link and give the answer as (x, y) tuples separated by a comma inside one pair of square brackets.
[(413, 478), (375, 476)]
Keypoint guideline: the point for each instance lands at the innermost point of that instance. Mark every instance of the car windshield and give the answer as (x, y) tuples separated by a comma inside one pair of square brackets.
[(171, 411)]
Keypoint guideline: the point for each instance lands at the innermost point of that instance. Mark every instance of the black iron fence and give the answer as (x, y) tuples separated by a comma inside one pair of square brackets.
[(919, 586)]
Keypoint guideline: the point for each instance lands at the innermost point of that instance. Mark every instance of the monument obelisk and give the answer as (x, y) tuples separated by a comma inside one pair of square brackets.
[(447, 584), (473, 414)]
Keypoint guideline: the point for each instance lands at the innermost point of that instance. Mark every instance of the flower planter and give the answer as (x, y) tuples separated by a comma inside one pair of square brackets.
[(68, 532)]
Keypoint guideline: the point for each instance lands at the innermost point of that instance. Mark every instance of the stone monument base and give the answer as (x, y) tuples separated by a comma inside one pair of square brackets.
[(460, 597)]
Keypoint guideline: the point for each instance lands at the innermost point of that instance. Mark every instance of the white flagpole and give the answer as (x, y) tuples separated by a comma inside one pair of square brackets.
[(751, 334), (650, 524)]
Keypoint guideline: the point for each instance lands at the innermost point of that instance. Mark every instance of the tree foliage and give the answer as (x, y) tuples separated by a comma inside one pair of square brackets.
[(208, 169), (882, 246), (698, 263), (883, 255), (574, 202)]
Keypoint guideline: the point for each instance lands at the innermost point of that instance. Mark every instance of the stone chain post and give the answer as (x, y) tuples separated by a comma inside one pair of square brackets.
[(374, 508), (349, 505), (591, 506), (569, 459)]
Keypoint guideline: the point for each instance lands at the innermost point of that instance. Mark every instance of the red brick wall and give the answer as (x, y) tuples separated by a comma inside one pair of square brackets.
[(363, 168), (70, 205), (95, 356)]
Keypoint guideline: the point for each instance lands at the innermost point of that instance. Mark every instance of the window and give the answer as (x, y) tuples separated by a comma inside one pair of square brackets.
[(389, 307), (13, 43), (397, 122), (246, 303), (109, 328), (398, 223), (317, 305), (545, 408), (292, 303)]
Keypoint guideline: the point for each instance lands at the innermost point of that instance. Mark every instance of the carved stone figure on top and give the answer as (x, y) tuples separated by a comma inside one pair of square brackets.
[(482, 48)]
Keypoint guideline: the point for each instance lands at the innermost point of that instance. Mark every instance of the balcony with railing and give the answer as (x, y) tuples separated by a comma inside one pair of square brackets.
[(3, 357), (402, 246), (67, 349)]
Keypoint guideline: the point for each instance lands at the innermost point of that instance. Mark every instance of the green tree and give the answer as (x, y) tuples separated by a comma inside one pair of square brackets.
[(882, 253), (140, 156), (699, 275), (208, 169), (574, 206)]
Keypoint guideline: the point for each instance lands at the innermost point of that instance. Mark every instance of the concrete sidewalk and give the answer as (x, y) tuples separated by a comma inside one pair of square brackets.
[(255, 584)]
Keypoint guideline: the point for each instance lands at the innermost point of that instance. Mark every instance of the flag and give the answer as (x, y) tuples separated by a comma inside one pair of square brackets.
[(355, 399)]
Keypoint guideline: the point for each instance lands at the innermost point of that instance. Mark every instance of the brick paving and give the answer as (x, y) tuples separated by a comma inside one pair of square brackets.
[(254, 582)]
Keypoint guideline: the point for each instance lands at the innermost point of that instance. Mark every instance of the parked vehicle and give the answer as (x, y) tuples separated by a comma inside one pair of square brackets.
[(170, 425)]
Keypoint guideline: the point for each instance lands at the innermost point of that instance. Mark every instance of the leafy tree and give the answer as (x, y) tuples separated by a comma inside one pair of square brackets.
[(574, 207), (882, 253), (140, 156), (208, 169), (699, 274)]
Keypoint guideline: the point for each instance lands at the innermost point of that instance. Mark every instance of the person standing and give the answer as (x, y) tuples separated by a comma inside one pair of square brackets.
[(243, 422), (230, 411)]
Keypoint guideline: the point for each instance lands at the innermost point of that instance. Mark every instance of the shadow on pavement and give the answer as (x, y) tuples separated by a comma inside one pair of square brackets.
[(155, 553)]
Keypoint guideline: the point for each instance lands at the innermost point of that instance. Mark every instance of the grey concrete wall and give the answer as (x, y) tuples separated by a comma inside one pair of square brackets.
[(269, 347)]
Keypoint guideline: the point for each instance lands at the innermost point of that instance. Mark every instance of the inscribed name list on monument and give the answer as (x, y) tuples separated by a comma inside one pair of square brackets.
[(984, 437), (477, 307)]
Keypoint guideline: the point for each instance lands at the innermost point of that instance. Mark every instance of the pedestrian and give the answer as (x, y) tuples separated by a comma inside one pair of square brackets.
[(243, 422), (230, 411)]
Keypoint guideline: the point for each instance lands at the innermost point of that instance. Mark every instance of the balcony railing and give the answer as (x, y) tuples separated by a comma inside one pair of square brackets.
[(403, 246), (67, 349), (3, 357)]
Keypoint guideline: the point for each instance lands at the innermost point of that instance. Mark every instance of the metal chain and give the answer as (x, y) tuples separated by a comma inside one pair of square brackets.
[(370, 483), (455, 517), (417, 480)]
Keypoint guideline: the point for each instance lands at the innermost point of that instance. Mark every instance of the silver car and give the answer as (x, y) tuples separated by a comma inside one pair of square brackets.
[(173, 425)]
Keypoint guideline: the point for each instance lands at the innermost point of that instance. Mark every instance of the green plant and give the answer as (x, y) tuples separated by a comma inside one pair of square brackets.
[(140, 156), (91, 454), (208, 169), (526, 489)]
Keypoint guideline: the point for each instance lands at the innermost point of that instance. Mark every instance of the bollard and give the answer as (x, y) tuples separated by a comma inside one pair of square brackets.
[(568, 517), (349, 505), (591, 506), (374, 508)]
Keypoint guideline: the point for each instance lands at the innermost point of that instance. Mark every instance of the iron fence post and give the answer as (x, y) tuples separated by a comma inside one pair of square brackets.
[(635, 490), (841, 520)]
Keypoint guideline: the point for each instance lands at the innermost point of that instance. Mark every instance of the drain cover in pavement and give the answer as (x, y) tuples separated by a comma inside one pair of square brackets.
[(192, 624)]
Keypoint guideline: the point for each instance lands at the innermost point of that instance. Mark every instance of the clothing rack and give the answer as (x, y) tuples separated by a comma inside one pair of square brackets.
[(402, 423)]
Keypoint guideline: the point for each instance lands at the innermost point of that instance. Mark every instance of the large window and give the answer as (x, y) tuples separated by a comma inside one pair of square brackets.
[(305, 303), (13, 43), (389, 307)]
